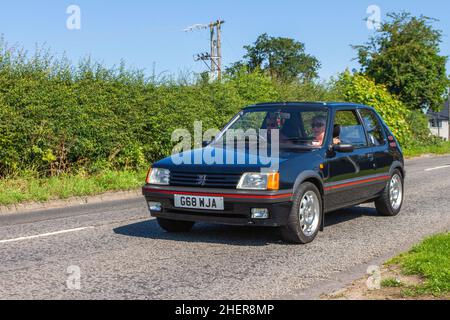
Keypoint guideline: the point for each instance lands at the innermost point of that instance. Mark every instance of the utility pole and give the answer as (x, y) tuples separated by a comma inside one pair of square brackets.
[(215, 55), (219, 48), (213, 47)]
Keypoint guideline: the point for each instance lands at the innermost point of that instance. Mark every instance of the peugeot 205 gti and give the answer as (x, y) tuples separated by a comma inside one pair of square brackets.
[(323, 157)]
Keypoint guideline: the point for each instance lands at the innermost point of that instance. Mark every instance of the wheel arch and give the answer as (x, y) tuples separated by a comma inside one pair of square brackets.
[(314, 178), (399, 166)]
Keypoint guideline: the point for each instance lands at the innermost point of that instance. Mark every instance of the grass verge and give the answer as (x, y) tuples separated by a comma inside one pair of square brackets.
[(429, 260), (25, 189), (391, 283), (422, 273), (442, 148)]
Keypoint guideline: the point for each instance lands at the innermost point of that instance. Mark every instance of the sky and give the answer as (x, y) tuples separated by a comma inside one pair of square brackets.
[(148, 34)]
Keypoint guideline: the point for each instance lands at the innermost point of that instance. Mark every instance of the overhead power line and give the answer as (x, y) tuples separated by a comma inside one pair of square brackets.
[(215, 55)]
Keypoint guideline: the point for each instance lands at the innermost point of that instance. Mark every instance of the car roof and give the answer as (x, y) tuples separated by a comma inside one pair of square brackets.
[(307, 104)]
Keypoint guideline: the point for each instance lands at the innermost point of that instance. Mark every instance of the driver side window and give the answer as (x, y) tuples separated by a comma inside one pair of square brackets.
[(349, 129)]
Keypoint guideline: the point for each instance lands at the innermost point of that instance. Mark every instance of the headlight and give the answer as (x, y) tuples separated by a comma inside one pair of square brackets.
[(158, 176), (260, 181)]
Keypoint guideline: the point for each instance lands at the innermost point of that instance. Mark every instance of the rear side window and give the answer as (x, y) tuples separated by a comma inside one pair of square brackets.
[(373, 126), (351, 129)]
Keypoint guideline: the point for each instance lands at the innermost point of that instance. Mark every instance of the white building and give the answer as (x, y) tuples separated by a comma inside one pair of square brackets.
[(439, 122)]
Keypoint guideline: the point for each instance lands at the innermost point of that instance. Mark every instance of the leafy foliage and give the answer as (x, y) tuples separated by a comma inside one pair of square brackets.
[(404, 55), (283, 59), (360, 89)]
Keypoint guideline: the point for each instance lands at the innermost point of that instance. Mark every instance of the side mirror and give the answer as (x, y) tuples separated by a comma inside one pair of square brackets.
[(344, 148), (205, 143)]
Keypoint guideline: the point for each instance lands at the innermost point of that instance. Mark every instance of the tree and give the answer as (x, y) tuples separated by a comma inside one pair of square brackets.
[(283, 59), (404, 55)]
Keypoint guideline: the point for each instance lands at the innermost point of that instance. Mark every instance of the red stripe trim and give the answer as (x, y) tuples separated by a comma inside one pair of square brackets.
[(383, 178), (224, 195)]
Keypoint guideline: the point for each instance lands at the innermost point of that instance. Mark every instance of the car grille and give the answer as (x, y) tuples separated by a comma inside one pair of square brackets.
[(206, 180)]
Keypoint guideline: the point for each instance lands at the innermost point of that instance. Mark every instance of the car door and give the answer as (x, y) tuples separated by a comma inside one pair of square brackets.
[(347, 174), (379, 144)]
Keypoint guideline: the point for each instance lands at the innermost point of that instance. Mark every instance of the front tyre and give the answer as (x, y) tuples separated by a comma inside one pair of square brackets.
[(305, 217), (173, 226), (391, 200)]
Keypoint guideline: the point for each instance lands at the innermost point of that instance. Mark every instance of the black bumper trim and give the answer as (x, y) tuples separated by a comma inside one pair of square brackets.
[(236, 212)]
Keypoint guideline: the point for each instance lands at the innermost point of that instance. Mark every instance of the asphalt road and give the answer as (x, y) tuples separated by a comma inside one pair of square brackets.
[(121, 253)]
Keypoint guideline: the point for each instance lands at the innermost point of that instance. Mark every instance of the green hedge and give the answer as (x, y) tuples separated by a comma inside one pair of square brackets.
[(55, 118)]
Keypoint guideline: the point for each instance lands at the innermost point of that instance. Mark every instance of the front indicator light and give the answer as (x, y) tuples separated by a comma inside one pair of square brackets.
[(147, 178), (273, 182)]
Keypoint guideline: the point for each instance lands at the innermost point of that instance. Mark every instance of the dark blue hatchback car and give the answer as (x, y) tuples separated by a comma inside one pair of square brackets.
[(294, 163)]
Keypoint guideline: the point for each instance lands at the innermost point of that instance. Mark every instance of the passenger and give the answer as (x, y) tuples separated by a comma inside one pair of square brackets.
[(318, 127)]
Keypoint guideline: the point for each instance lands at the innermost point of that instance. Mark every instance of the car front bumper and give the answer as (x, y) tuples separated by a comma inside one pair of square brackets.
[(237, 205)]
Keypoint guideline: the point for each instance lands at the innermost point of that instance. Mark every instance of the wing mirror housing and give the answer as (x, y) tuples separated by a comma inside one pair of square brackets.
[(343, 148)]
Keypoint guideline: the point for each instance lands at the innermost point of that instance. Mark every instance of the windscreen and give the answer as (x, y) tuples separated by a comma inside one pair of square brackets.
[(296, 126)]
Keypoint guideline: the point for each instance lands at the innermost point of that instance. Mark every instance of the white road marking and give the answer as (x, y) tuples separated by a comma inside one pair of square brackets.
[(438, 168), (45, 235)]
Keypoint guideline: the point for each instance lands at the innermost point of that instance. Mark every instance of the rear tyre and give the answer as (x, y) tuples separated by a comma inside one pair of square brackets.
[(175, 225), (391, 200), (305, 217)]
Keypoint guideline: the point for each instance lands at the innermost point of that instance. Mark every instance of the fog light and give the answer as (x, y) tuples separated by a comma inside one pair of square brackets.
[(260, 213), (155, 206)]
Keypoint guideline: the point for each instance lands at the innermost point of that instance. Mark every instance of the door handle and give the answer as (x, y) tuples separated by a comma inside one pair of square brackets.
[(371, 158)]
